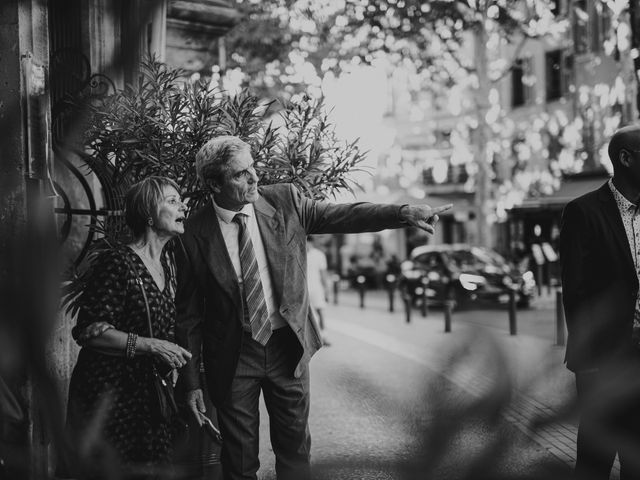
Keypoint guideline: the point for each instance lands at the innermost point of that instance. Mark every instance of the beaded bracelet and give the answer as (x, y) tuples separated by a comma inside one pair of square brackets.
[(132, 339), (127, 350)]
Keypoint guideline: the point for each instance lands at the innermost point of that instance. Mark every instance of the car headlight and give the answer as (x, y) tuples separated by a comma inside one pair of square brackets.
[(470, 282), (528, 279), (470, 278), (412, 274)]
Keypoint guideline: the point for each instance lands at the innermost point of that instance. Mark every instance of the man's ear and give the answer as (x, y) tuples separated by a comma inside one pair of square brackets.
[(213, 186), (625, 158)]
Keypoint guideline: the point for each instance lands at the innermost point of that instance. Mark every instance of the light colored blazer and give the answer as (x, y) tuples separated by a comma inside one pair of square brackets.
[(209, 303)]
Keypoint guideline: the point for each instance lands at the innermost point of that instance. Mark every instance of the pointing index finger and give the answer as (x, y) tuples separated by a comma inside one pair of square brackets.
[(441, 208)]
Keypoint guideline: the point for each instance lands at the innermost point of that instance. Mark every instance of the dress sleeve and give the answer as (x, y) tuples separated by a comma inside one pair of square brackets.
[(102, 301)]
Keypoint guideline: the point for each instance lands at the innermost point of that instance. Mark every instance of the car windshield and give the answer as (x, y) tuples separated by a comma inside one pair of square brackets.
[(476, 259)]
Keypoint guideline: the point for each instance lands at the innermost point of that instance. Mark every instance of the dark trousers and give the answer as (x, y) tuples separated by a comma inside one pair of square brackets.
[(609, 402), (268, 369)]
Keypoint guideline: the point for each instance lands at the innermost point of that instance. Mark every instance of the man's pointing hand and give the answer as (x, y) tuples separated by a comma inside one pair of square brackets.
[(423, 216)]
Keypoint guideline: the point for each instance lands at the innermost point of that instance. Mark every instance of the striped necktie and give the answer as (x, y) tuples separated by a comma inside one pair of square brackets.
[(255, 306)]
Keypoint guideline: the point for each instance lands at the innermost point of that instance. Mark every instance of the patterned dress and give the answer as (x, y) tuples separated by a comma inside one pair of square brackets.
[(110, 396)]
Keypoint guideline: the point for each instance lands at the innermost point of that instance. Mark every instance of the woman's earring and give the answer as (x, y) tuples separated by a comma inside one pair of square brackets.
[(150, 221)]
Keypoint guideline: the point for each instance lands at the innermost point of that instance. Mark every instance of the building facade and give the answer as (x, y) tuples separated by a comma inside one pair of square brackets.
[(549, 116)]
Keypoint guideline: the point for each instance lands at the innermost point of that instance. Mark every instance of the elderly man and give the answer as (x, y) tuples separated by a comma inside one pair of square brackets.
[(243, 304), (599, 242)]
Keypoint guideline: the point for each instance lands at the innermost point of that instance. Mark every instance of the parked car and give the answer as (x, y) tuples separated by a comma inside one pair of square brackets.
[(365, 269), (466, 274)]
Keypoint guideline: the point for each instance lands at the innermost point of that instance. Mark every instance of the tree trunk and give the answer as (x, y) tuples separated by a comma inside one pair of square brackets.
[(482, 159)]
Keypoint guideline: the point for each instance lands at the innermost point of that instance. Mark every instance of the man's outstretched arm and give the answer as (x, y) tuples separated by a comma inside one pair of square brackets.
[(324, 217)]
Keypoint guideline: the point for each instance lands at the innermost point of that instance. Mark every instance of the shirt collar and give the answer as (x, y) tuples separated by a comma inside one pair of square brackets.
[(227, 216), (621, 200)]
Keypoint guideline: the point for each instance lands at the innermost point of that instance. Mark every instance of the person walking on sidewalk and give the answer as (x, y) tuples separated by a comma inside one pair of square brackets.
[(243, 302), (599, 252), (318, 284)]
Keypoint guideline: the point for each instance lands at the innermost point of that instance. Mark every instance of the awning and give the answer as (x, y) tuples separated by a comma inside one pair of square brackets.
[(571, 187)]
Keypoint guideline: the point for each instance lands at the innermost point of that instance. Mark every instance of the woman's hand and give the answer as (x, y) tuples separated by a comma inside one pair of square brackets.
[(171, 354)]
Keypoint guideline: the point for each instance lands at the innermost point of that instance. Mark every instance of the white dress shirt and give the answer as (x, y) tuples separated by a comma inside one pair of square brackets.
[(229, 230)]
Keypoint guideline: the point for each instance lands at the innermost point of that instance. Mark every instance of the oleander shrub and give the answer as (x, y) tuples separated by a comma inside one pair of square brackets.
[(157, 127)]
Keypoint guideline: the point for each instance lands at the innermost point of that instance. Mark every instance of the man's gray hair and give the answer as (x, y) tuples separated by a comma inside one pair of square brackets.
[(213, 158)]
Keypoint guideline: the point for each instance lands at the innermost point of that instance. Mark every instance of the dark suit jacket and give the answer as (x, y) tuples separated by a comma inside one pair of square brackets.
[(209, 300), (599, 282)]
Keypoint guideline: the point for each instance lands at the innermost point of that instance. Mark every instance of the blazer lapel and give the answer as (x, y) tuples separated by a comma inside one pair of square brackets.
[(216, 256), (612, 214), (271, 226)]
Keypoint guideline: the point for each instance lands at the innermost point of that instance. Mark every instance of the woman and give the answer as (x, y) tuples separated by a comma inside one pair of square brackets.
[(110, 395)]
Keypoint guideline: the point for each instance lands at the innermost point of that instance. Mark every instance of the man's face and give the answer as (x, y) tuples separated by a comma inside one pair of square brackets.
[(630, 166), (240, 184), (634, 167)]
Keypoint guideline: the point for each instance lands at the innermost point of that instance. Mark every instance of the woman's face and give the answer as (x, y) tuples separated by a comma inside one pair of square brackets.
[(170, 216)]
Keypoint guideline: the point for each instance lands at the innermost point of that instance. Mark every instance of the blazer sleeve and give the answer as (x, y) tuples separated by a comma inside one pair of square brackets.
[(190, 311), (575, 253), (324, 217)]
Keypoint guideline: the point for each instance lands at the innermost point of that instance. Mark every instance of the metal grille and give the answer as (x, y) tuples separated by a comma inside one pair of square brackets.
[(70, 79)]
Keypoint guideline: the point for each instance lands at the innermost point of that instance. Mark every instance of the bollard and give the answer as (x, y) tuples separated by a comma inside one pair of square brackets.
[(513, 327), (424, 309), (336, 288), (360, 280), (419, 293), (448, 310), (539, 279), (449, 303), (407, 308), (560, 320), (391, 287), (406, 300)]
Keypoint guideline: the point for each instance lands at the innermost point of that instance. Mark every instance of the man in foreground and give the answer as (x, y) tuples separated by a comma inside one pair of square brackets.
[(599, 251)]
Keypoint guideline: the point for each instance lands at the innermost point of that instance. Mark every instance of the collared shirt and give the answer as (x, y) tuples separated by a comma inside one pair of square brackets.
[(631, 222), (229, 230)]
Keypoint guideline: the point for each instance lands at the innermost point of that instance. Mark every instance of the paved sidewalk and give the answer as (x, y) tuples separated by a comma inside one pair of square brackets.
[(542, 386)]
